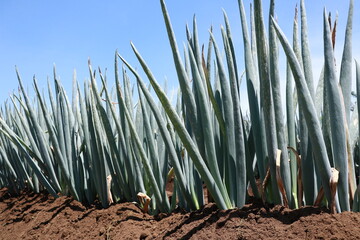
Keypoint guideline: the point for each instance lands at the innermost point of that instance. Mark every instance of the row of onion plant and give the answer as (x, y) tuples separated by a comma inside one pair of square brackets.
[(105, 143)]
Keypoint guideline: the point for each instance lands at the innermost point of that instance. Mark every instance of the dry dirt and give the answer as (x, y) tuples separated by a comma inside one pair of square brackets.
[(40, 216)]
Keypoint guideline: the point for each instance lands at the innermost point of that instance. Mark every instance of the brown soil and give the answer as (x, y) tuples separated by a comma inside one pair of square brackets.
[(40, 216)]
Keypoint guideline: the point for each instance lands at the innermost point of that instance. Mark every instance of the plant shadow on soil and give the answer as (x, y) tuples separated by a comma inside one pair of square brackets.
[(40, 216)]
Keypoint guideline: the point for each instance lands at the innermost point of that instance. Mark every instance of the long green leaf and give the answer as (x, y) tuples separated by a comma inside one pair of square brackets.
[(346, 63), (290, 116), (227, 106), (188, 98), (238, 123), (307, 162), (253, 95), (266, 95), (337, 119), (276, 94)]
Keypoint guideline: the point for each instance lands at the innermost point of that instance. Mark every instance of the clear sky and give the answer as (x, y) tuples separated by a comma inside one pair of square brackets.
[(36, 34)]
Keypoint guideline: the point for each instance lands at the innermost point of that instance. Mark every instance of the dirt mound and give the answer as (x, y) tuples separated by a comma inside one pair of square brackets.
[(40, 216)]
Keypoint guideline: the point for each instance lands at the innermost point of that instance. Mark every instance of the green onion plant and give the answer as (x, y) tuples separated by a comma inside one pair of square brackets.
[(113, 144)]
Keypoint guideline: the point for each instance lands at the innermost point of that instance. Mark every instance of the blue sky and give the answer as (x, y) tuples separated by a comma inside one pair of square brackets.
[(36, 34)]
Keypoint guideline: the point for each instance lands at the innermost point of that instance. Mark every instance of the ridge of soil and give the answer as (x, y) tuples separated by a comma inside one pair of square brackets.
[(40, 216)]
